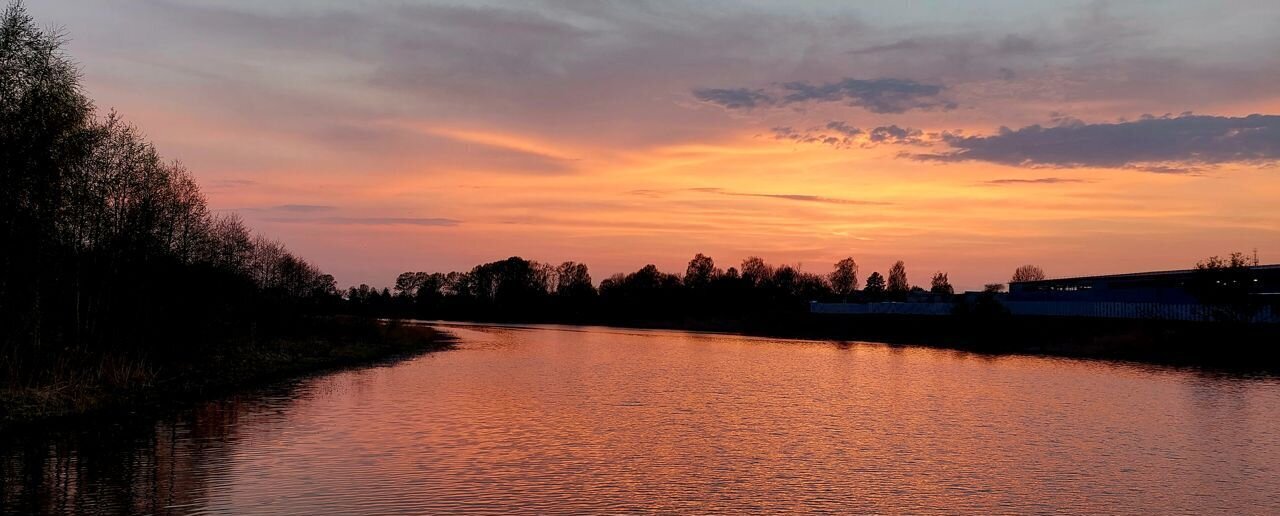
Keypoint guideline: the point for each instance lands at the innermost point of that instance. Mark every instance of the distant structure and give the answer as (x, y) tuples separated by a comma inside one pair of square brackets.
[(1170, 287), (1164, 295)]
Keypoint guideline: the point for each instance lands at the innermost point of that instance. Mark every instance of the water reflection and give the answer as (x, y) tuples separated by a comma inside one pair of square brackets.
[(573, 419)]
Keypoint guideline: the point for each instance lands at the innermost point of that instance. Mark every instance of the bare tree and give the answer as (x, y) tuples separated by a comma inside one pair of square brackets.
[(1027, 273)]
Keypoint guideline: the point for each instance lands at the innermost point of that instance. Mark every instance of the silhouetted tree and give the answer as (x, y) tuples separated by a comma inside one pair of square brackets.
[(940, 285), (875, 286), (109, 249), (755, 271), (844, 277), (1226, 286), (572, 279), (701, 272), (1027, 273), (897, 286)]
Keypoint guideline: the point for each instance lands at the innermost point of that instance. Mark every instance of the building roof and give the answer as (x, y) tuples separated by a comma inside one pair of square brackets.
[(1136, 275)]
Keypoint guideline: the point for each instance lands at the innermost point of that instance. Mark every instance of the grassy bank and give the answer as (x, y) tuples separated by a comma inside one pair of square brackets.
[(81, 383)]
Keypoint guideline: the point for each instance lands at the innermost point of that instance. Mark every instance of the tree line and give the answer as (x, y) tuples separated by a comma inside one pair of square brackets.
[(520, 289), (107, 245)]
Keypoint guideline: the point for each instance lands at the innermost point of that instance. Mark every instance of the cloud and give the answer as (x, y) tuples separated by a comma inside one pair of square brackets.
[(842, 135), (874, 95), (734, 98), (371, 221), (1164, 144), (1036, 181), (792, 197), (843, 128), (896, 135), (302, 208), (230, 183)]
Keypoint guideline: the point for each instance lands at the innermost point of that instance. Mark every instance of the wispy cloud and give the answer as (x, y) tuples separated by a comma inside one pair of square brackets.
[(1036, 181), (302, 208), (885, 95), (841, 134), (791, 197), (371, 221)]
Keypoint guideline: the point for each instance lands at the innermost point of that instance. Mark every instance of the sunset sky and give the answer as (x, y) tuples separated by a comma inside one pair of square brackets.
[(375, 137)]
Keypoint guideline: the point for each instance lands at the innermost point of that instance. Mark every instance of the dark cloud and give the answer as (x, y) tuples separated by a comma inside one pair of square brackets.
[(843, 128), (896, 135), (874, 95), (842, 135), (1165, 144), (1036, 181), (734, 98)]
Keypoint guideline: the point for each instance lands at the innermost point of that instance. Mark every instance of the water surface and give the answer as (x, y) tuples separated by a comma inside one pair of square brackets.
[(565, 419)]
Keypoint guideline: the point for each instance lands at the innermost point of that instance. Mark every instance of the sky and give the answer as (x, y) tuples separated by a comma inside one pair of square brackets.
[(376, 137)]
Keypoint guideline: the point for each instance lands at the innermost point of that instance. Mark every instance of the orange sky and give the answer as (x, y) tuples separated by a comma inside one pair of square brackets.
[(434, 137)]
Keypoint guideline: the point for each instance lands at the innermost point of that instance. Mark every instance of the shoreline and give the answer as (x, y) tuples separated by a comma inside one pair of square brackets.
[(240, 368), (1215, 346)]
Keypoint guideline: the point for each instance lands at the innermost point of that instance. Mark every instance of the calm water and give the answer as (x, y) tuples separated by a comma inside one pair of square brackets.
[(608, 421)]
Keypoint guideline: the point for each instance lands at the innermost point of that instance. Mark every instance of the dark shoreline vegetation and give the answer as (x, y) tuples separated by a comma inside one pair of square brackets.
[(325, 344), (117, 283), (764, 300)]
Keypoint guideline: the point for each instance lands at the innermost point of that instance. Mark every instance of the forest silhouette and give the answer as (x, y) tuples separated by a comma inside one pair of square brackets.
[(113, 261)]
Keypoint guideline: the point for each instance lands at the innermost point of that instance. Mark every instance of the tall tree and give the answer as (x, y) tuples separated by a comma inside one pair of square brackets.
[(897, 284), (844, 277)]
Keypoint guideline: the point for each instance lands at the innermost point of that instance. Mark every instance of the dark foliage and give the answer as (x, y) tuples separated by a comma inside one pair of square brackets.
[(109, 250), (516, 289)]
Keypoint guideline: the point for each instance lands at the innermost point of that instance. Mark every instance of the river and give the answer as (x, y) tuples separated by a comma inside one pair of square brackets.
[(556, 419)]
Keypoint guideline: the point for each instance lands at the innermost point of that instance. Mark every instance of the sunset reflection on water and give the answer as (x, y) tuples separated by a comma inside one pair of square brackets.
[(562, 419)]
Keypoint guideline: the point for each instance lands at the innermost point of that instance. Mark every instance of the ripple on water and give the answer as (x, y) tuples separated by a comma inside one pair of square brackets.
[(550, 420)]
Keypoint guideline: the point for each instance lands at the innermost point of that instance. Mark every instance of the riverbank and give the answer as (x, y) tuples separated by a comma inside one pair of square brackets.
[(104, 383), (1235, 347)]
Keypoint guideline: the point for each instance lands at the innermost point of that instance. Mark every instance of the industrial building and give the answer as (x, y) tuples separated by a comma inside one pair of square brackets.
[(1167, 295)]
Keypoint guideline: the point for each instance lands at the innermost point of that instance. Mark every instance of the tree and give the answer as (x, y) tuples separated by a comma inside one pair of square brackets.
[(701, 271), (572, 279), (897, 284), (993, 288), (1027, 273), (875, 285), (408, 283), (940, 285), (755, 272), (844, 277), (1226, 285)]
